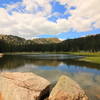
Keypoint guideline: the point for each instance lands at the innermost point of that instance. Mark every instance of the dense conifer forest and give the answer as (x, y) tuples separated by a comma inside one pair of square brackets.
[(10, 43)]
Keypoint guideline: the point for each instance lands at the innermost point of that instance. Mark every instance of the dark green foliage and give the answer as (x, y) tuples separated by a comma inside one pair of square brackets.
[(17, 44), (89, 43)]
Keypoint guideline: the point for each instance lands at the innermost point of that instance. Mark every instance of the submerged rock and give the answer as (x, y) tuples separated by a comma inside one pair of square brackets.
[(22, 86), (67, 89)]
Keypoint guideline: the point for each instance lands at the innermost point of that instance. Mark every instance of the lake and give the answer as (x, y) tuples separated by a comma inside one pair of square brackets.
[(52, 66)]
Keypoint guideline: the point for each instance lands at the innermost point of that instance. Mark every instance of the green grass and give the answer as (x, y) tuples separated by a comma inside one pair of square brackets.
[(85, 53), (93, 57)]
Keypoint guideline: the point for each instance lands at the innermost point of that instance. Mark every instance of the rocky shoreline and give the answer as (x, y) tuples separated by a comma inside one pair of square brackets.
[(29, 86)]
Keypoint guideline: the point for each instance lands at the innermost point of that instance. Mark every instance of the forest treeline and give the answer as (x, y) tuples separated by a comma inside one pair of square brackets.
[(17, 44)]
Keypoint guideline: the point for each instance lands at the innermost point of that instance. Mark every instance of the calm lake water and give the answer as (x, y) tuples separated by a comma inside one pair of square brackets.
[(52, 66)]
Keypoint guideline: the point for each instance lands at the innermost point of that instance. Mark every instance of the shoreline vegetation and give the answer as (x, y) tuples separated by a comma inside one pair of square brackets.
[(9, 43), (92, 57), (88, 47)]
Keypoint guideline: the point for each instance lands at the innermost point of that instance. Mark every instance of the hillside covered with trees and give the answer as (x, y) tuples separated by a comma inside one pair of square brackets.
[(9, 43)]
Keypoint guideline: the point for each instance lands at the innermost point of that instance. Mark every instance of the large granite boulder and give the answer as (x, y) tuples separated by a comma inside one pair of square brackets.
[(22, 86), (67, 89)]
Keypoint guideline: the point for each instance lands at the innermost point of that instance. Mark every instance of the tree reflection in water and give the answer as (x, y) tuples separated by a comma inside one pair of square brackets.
[(52, 67)]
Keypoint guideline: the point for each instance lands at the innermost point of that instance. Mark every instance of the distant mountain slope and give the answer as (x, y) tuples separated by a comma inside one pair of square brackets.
[(87, 43), (16, 39), (11, 38), (11, 43), (88, 37), (46, 40)]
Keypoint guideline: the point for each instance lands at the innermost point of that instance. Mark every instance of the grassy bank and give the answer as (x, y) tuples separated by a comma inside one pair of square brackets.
[(85, 53), (93, 57), (21, 53)]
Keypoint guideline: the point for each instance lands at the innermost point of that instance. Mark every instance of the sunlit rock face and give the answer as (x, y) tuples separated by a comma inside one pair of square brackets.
[(29, 86), (67, 89), (46, 40), (22, 86)]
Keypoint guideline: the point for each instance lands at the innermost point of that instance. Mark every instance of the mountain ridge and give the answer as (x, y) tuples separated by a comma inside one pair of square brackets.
[(11, 38), (16, 44), (46, 40)]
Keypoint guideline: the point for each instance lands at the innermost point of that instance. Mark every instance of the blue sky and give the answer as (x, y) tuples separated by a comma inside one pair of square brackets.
[(57, 7), (4, 2), (50, 18), (71, 34), (8, 1)]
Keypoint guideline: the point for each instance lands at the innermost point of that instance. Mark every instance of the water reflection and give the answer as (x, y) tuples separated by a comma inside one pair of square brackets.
[(12, 62), (53, 66)]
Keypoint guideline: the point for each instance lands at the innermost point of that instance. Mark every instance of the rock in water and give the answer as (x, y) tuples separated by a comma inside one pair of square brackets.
[(67, 89), (22, 86)]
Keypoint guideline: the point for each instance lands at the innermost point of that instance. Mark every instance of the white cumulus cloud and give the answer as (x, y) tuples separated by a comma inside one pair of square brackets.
[(30, 17), (86, 13)]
